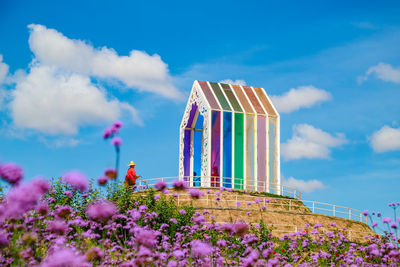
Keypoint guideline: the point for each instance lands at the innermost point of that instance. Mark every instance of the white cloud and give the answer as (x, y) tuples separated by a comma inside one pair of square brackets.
[(310, 142), (302, 96), (237, 82), (54, 101), (3, 75), (386, 139), (303, 186), (138, 70), (384, 72), (3, 70)]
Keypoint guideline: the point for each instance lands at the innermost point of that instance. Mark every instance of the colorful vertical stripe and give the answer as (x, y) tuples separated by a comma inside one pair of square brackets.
[(261, 153), (241, 138), (227, 147), (215, 148)]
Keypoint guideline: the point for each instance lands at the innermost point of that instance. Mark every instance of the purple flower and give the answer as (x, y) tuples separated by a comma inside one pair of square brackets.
[(200, 249), (23, 197), (63, 212), (157, 197), (365, 213), (249, 203), (57, 227), (266, 252), (248, 213), (147, 238), (135, 215), (179, 254), (3, 239), (195, 193), (68, 193), (107, 133), (240, 228), (238, 204), (387, 220), (76, 180), (65, 257), (172, 263), (179, 185), (200, 220), (101, 210), (375, 224), (266, 200), (11, 172), (257, 201), (173, 220), (102, 180), (263, 208), (393, 225), (116, 141), (161, 185), (42, 209), (182, 211), (175, 194), (117, 125), (142, 208)]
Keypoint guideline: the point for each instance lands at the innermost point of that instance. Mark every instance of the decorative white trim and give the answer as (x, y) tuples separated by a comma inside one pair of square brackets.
[(196, 96)]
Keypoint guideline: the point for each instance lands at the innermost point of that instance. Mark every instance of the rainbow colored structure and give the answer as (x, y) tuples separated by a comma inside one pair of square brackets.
[(229, 136)]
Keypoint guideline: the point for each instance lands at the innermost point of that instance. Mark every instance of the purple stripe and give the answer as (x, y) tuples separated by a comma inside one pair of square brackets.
[(186, 153), (215, 147), (261, 149), (191, 116)]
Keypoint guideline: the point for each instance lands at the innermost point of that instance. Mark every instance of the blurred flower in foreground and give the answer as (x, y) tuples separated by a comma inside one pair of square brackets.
[(201, 249), (11, 172), (101, 210), (65, 257), (23, 198), (76, 180)]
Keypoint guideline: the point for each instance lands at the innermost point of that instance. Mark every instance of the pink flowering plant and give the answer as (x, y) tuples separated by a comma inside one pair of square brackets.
[(71, 221)]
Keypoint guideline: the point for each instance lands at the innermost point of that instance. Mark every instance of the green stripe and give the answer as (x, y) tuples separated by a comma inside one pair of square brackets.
[(231, 97), (220, 96), (239, 145)]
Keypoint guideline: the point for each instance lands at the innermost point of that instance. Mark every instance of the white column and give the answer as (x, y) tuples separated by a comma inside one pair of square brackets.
[(277, 168)]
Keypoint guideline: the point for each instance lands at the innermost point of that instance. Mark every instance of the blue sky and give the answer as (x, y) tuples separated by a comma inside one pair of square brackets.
[(333, 68)]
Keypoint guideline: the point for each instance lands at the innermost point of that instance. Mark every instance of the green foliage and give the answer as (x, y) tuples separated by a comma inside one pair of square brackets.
[(78, 201), (166, 207)]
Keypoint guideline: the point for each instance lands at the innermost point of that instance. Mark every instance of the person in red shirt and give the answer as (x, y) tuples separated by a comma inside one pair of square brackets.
[(130, 178)]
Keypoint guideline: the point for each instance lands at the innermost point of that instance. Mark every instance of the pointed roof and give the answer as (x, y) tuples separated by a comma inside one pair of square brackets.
[(237, 98)]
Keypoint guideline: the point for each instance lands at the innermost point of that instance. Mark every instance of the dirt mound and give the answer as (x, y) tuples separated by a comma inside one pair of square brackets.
[(281, 214)]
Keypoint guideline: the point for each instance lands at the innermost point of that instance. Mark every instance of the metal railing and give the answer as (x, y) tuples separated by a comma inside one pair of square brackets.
[(227, 182)]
